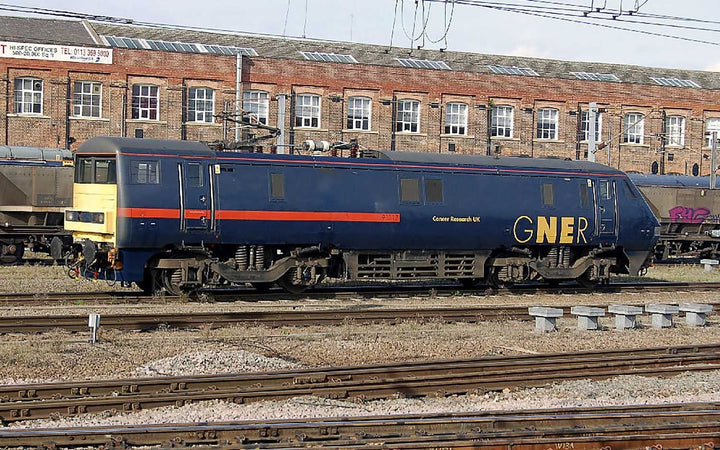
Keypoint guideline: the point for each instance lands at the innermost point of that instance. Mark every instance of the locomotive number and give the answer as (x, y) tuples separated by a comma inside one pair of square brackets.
[(550, 230)]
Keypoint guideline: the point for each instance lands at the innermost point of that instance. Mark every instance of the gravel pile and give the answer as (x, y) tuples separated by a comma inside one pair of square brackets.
[(624, 390), (221, 361)]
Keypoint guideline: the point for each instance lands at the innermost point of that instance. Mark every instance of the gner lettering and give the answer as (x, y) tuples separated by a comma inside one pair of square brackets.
[(550, 230)]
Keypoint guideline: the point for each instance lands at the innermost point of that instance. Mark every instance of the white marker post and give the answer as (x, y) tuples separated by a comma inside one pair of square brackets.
[(94, 323)]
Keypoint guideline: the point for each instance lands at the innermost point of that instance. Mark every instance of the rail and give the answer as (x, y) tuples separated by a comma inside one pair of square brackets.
[(23, 402)]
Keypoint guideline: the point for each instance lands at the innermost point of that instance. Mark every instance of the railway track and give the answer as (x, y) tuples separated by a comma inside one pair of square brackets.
[(445, 377), (693, 425), (339, 292), (271, 318)]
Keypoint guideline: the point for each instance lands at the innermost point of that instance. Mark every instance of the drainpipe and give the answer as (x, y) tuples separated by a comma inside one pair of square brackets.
[(67, 115), (183, 112), (393, 118), (291, 137), (7, 109), (280, 143), (123, 115), (238, 91)]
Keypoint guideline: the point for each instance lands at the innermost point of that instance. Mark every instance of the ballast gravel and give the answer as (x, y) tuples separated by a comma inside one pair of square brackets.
[(623, 390), (61, 356)]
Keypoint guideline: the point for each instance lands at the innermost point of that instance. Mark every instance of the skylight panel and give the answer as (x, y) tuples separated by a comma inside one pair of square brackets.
[(184, 47), (329, 57), (675, 82), (594, 76), (423, 64), (514, 70)]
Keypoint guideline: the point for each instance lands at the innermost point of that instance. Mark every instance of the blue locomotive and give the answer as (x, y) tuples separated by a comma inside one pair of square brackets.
[(178, 215)]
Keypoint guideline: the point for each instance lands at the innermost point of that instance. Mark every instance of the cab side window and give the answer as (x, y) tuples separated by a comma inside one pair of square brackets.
[(145, 172)]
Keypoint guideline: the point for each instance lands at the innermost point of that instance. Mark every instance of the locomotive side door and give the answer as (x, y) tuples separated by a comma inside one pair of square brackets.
[(197, 204), (606, 207)]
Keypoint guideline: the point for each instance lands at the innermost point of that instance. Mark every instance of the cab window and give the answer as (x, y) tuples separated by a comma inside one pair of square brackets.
[(99, 170), (144, 172)]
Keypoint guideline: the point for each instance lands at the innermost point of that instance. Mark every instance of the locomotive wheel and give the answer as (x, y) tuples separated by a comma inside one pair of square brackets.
[(291, 284), (584, 281), (469, 282), (171, 279), (262, 287), (494, 279)]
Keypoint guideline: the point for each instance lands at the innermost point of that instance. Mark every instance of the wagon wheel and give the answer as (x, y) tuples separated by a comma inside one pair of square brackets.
[(292, 284), (12, 253)]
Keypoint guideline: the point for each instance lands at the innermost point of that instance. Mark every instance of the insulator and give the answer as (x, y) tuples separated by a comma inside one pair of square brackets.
[(241, 257), (316, 146), (260, 257)]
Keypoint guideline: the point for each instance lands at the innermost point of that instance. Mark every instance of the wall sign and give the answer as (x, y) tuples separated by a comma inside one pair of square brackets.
[(67, 53)]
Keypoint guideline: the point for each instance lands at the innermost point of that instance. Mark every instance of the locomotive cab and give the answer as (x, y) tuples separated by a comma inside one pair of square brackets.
[(92, 218)]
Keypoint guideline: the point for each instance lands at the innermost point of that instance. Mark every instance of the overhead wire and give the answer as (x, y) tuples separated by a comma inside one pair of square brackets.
[(577, 14)]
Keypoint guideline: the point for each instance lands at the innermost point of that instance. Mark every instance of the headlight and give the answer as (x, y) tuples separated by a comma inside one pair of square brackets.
[(86, 217)]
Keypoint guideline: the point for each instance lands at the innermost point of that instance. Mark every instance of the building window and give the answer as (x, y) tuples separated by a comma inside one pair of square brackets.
[(87, 99), (711, 124), (585, 126), (28, 96), (257, 103), (201, 105), (547, 123), (307, 111), (456, 118), (145, 102), (634, 128), (358, 113), (408, 116), (502, 121), (675, 130)]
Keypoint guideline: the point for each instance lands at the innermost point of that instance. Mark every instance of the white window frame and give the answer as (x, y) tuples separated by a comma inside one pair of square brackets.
[(145, 92), (547, 123), (408, 116), (711, 124), (257, 103), (502, 121), (87, 99), (634, 134), (29, 95), (456, 118), (307, 111), (203, 114), (359, 113), (675, 130), (585, 126)]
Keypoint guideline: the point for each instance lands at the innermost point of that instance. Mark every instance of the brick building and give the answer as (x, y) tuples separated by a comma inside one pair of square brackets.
[(65, 81)]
